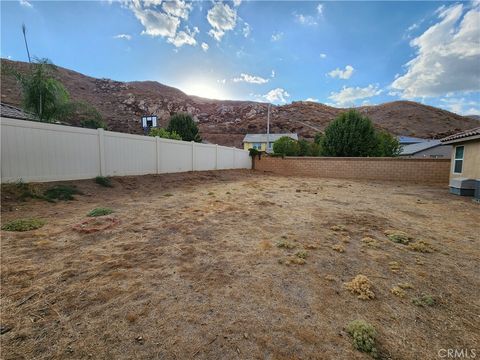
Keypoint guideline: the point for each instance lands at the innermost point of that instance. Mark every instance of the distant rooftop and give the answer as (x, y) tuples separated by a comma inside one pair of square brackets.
[(13, 112), (412, 149), (464, 135), (259, 138), (410, 140)]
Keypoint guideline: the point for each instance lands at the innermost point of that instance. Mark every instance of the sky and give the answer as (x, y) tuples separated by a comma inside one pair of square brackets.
[(343, 54)]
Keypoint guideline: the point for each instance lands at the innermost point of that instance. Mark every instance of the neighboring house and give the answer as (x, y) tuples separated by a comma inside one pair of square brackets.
[(428, 148), (407, 140), (465, 169), (259, 141), (12, 112)]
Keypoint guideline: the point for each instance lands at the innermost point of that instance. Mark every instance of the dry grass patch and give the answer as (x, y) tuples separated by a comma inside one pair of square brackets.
[(285, 244), (361, 286), (370, 242), (398, 291), (339, 248), (398, 236), (394, 266), (421, 246)]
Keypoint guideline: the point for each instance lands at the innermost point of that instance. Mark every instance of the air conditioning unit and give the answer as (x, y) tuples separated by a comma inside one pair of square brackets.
[(463, 186)]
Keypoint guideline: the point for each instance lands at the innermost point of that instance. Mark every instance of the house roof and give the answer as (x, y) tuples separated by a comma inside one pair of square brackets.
[(462, 136), (13, 112), (409, 140), (415, 148), (252, 138)]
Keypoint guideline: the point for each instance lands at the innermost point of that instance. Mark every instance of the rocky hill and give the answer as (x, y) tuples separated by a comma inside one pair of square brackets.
[(226, 122)]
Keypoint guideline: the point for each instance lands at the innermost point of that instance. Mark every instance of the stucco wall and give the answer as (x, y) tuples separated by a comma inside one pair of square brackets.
[(471, 160), (394, 169)]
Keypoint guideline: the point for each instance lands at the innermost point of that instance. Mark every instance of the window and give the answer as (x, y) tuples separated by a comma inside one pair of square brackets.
[(257, 146), (458, 161)]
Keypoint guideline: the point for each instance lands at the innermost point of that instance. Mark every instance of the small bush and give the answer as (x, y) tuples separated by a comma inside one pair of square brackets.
[(23, 191), (370, 242), (362, 286), (338, 228), (103, 181), (339, 247), (394, 266), (253, 152), (421, 246), (398, 236), (23, 225), (286, 146), (100, 212), (284, 244), (61, 192), (363, 335), (165, 134), (424, 300), (302, 254), (398, 291)]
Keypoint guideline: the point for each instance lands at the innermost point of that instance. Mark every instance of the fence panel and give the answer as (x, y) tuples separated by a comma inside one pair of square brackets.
[(34, 151)]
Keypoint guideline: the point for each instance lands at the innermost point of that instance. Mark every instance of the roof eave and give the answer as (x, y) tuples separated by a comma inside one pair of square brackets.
[(462, 139)]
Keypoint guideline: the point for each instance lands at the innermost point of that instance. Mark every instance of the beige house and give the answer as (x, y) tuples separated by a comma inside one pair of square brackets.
[(465, 168)]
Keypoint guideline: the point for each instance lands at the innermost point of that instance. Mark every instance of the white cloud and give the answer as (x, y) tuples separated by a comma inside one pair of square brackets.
[(252, 79), (342, 74), (311, 99), (223, 81), (156, 23), (305, 19), (348, 95), (25, 3), (237, 2), (246, 30), (461, 106), (272, 75), (177, 8), (277, 95), (186, 37), (123, 36), (204, 46), (222, 18), (320, 9), (323, 56), (277, 36), (447, 58)]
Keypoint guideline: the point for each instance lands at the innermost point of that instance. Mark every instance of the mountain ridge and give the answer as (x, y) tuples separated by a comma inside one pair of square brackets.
[(227, 121)]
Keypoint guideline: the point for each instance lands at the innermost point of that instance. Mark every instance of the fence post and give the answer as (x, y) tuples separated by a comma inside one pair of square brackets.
[(216, 156), (101, 147), (193, 155), (157, 147)]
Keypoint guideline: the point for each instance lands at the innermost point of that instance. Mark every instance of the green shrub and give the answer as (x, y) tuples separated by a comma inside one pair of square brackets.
[(23, 225), (24, 191), (388, 145), (183, 125), (104, 181), (286, 146), (100, 212), (163, 133), (61, 192), (302, 254), (398, 236), (363, 335), (424, 300), (253, 152)]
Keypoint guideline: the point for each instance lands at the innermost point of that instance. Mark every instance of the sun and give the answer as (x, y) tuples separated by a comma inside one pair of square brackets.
[(205, 89)]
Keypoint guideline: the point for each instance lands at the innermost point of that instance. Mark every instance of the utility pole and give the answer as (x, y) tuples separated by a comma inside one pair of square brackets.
[(24, 30), (268, 128)]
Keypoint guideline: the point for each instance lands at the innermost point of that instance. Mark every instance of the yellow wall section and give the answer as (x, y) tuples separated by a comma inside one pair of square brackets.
[(247, 146), (471, 160)]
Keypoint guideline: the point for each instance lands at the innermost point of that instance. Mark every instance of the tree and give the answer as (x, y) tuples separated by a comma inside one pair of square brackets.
[(304, 148), (42, 94), (183, 125), (350, 134), (388, 145), (165, 134), (286, 146)]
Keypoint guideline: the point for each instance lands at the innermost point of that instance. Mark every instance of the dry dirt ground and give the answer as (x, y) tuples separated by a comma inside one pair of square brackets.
[(193, 271)]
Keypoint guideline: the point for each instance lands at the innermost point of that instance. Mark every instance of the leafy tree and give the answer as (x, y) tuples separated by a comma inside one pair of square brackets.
[(314, 149), (86, 114), (286, 146), (350, 134), (183, 125), (161, 132), (318, 138), (304, 148), (42, 94), (388, 145)]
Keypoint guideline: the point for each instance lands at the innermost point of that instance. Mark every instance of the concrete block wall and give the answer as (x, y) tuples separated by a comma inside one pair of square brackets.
[(392, 169)]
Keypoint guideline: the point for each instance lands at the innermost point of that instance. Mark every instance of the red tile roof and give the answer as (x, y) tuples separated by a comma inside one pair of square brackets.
[(462, 135)]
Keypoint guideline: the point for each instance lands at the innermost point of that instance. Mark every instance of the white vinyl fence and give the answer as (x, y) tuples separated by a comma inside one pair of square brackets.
[(34, 151)]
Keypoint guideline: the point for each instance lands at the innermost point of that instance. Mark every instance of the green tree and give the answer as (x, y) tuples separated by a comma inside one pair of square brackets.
[(314, 149), (304, 148), (318, 138), (388, 145), (42, 94), (350, 134), (161, 132), (286, 146), (183, 125), (82, 112)]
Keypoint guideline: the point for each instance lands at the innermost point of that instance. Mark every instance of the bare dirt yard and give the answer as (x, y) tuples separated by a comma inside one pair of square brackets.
[(241, 265)]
